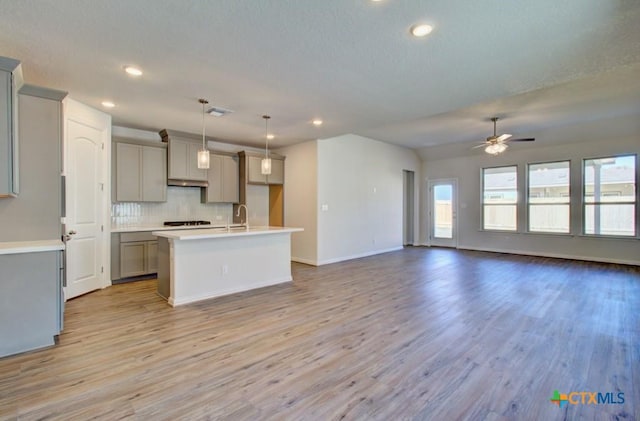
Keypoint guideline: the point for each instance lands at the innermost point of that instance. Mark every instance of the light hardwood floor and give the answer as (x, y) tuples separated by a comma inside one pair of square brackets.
[(428, 334)]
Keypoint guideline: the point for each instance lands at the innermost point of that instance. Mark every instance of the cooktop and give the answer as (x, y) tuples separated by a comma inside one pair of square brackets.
[(181, 223)]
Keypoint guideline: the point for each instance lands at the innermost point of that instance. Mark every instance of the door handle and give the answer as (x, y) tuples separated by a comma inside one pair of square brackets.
[(68, 236)]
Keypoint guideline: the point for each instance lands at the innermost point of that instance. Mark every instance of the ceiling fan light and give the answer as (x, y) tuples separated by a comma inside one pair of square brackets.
[(495, 148)]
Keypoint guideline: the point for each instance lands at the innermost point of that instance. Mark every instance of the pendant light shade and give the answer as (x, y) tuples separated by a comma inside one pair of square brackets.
[(203, 154), (265, 168)]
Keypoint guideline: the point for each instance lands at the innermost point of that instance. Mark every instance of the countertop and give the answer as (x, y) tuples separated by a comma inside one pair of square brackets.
[(15, 247), (137, 228), (222, 232)]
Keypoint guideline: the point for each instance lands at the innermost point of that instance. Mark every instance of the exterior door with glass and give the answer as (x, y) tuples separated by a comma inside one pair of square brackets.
[(443, 207)]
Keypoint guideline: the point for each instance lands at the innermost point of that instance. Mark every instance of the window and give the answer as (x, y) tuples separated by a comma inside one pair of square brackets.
[(499, 198), (548, 195), (609, 189)]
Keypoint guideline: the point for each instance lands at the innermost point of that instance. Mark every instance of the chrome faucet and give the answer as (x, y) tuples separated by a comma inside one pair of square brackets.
[(246, 214)]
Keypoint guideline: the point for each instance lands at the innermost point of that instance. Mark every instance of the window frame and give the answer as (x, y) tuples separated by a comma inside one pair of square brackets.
[(483, 205), (634, 203), (528, 197)]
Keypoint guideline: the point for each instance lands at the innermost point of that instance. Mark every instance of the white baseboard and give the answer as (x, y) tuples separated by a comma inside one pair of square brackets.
[(357, 256), (305, 261), (553, 255)]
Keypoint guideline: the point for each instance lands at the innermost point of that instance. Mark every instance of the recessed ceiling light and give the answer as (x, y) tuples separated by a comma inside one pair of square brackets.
[(108, 104), (270, 136), (133, 71), (421, 30), (317, 122)]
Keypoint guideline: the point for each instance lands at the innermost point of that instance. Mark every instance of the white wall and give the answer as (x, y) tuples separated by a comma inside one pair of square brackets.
[(301, 199), (587, 140), (360, 181)]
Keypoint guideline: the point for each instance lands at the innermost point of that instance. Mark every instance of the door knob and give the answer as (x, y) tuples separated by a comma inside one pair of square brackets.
[(68, 236)]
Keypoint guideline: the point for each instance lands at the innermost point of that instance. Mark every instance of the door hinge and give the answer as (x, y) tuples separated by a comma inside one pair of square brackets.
[(103, 146), (101, 186), (101, 228), (101, 269)]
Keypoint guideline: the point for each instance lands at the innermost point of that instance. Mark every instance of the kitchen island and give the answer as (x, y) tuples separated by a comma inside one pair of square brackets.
[(198, 264)]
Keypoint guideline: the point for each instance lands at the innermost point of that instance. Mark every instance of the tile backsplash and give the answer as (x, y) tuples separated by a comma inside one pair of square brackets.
[(183, 203)]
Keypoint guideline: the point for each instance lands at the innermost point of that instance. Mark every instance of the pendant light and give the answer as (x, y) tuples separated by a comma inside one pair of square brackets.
[(203, 154), (266, 161)]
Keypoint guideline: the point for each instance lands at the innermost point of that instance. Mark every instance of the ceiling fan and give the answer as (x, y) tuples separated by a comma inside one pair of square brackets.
[(495, 144)]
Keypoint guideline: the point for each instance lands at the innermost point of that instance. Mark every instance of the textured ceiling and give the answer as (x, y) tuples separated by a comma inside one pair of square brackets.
[(352, 63)]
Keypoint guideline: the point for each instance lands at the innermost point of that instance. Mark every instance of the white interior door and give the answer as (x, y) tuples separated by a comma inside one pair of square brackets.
[(87, 135), (443, 213)]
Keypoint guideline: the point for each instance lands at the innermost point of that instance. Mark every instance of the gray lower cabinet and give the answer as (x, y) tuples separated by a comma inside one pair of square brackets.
[(31, 304), (140, 173), (138, 255), (223, 178)]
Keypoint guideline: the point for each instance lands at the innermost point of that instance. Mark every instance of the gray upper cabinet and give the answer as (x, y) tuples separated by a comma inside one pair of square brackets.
[(10, 82), (224, 179), (141, 173), (253, 169), (277, 171), (183, 158), (154, 174)]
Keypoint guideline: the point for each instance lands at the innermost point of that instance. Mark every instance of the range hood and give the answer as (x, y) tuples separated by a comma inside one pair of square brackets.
[(182, 163), (187, 183)]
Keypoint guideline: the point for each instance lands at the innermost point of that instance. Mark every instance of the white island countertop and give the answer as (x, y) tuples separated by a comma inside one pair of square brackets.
[(222, 232)]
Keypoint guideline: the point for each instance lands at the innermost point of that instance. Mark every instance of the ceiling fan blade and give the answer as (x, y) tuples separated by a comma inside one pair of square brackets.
[(482, 145), (503, 137), (526, 139)]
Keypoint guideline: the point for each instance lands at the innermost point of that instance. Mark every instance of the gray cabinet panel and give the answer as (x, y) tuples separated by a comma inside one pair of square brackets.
[(154, 174), (214, 191), (223, 178), (136, 255), (132, 259), (30, 310), (178, 165), (254, 174), (140, 173), (254, 171), (183, 160), (152, 257), (128, 171), (10, 83), (277, 172), (230, 179)]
